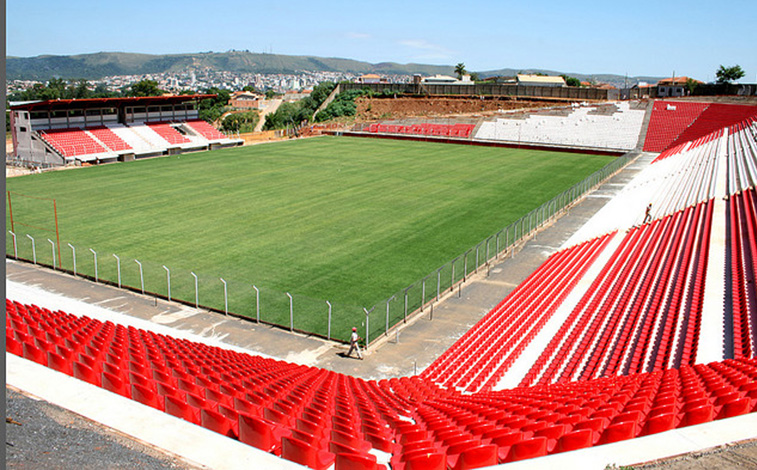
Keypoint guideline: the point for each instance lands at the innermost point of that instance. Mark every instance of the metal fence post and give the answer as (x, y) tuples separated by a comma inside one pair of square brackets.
[(386, 329), (291, 312), (168, 281), (141, 276), (225, 297), (197, 290), (452, 277), (328, 335), (34, 248), (15, 247), (477, 247), (423, 293), (257, 303), (465, 265), (95, 254), (405, 319), (118, 268), (438, 282), (73, 256), (367, 326), (52, 249)]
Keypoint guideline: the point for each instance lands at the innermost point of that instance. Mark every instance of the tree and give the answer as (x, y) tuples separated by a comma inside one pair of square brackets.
[(460, 70), (729, 74), (474, 76), (145, 88), (571, 81)]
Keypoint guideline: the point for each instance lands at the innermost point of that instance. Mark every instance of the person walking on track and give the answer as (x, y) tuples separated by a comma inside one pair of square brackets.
[(354, 338)]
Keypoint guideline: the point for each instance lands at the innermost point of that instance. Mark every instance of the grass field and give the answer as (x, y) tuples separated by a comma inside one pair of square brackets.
[(347, 220)]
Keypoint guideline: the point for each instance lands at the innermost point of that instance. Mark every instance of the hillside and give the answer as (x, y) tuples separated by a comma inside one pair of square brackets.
[(102, 64)]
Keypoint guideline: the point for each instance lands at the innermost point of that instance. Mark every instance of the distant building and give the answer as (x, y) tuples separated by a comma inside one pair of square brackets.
[(673, 87), (540, 80), (447, 80), (371, 78), (244, 100)]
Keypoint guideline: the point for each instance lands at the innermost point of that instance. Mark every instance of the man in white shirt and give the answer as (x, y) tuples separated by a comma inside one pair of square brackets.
[(354, 338)]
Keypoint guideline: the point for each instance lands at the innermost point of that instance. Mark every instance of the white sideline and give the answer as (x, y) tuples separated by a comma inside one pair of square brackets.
[(145, 424)]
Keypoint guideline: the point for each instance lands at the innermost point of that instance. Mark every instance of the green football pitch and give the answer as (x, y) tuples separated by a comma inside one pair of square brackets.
[(351, 221)]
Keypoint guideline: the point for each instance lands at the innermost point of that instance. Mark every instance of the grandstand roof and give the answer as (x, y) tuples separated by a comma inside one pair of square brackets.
[(114, 102)]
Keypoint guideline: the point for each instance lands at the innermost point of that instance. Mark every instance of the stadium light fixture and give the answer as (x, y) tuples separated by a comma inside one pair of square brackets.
[(257, 303), (328, 335), (15, 247), (141, 276), (52, 250), (197, 290), (73, 256), (225, 297), (34, 248), (291, 312), (168, 281), (118, 268), (95, 254)]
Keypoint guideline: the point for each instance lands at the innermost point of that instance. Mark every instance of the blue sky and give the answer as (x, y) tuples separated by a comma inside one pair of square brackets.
[(641, 37)]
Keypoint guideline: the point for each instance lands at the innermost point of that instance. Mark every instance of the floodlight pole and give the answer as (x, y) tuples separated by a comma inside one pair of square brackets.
[(34, 248), (73, 256), (328, 335), (225, 297), (95, 254), (141, 276), (52, 251), (15, 247), (197, 291), (168, 281), (257, 303), (291, 312), (118, 267)]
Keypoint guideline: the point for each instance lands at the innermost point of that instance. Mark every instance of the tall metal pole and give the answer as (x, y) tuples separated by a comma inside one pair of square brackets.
[(257, 303), (141, 276), (10, 209), (386, 330), (168, 281), (118, 267), (34, 248), (73, 256), (197, 291), (95, 254), (225, 297)]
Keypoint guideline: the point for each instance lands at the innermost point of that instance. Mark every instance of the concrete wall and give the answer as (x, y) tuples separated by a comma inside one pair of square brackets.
[(492, 89)]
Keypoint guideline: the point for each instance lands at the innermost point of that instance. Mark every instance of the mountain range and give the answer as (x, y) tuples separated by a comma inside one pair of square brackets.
[(98, 65)]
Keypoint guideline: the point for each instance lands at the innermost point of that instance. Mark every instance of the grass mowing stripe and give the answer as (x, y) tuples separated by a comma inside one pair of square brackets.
[(342, 219)]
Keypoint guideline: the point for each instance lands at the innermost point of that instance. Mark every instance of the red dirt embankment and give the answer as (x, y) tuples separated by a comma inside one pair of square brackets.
[(392, 108)]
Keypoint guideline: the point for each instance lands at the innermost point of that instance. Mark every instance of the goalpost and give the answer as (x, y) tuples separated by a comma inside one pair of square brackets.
[(31, 212)]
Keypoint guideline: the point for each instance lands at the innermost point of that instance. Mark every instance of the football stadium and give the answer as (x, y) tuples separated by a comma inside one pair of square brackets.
[(572, 284)]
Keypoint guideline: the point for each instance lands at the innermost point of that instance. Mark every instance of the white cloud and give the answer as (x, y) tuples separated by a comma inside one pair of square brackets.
[(354, 35), (425, 50)]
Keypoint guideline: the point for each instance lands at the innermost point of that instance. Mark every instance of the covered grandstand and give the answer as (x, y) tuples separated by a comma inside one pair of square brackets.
[(634, 328), (98, 130)]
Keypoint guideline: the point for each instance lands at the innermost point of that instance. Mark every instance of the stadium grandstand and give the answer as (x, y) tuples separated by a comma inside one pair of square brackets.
[(101, 130), (635, 332)]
